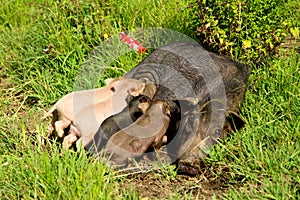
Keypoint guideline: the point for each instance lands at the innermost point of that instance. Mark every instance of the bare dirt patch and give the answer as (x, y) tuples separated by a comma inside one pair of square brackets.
[(212, 181)]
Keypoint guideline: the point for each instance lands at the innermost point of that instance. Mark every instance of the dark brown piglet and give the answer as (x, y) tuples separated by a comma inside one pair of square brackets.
[(136, 107), (148, 131)]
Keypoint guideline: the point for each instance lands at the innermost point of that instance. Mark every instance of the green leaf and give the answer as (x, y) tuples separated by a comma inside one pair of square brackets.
[(295, 32), (246, 44)]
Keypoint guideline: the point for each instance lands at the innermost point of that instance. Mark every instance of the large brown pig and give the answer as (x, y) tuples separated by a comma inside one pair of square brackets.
[(216, 83), (203, 91)]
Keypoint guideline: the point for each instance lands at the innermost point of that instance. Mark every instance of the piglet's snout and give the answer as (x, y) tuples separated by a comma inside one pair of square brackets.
[(139, 130)]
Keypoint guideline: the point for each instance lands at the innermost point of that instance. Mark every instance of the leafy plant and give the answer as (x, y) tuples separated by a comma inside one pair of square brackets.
[(248, 30)]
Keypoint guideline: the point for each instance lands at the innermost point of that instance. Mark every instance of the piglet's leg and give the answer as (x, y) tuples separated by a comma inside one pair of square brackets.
[(164, 139), (69, 140), (60, 126), (49, 130), (83, 141)]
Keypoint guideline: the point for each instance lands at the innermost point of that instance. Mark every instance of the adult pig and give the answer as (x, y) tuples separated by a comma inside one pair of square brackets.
[(216, 83)]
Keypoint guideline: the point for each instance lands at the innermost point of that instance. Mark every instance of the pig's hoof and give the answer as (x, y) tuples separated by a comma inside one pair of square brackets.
[(187, 168), (60, 126), (68, 141), (60, 133), (49, 130)]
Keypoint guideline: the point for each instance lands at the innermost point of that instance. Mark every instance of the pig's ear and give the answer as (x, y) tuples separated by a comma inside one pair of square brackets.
[(136, 91), (108, 81), (150, 90), (234, 122)]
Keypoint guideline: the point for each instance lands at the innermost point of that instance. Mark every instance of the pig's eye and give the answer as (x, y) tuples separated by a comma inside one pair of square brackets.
[(143, 100), (113, 89), (218, 131)]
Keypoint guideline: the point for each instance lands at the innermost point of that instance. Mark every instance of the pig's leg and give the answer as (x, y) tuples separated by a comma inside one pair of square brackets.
[(84, 141), (49, 130), (71, 138), (60, 126), (164, 139)]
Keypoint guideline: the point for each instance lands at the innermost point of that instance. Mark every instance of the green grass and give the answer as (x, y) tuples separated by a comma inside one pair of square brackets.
[(259, 162), (266, 153)]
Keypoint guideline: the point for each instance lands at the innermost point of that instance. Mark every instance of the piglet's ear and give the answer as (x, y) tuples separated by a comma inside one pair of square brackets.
[(136, 91), (150, 90), (234, 122), (108, 81)]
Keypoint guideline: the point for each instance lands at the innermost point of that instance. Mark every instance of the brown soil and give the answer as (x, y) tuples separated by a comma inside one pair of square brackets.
[(212, 181)]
